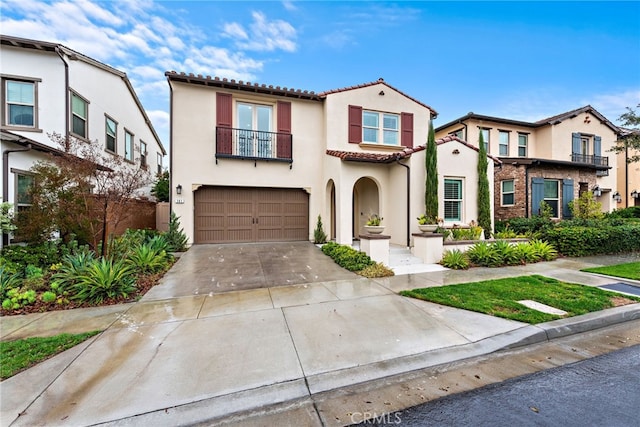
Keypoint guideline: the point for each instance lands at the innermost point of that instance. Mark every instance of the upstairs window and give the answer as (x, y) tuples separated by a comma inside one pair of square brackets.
[(20, 103), (79, 115), (523, 139), (159, 160), (458, 134), (504, 143), (128, 145), (255, 124), (380, 128), (453, 200), (485, 137), (143, 154), (111, 137)]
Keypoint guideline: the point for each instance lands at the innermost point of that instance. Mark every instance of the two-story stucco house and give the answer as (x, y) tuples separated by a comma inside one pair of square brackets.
[(48, 88), (252, 162), (552, 160)]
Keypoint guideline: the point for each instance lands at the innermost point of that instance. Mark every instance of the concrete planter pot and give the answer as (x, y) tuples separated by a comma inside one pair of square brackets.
[(427, 228), (374, 229)]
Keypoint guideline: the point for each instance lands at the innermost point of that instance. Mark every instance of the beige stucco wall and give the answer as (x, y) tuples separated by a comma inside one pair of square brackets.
[(632, 172), (193, 151)]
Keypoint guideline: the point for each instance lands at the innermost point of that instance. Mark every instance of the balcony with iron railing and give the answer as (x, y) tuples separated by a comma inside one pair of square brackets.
[(253, 145), (589, 159)]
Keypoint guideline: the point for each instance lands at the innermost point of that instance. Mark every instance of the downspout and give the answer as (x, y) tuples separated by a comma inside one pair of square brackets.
[(66, 99), (171, 148), (466, 135), (5, 181), (408, 201), (526, 191)]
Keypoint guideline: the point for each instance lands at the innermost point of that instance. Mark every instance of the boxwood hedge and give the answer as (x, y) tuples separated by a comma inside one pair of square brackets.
[(583, 241)]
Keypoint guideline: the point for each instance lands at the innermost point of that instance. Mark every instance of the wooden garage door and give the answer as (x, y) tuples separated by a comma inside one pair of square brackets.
[(238, 214)]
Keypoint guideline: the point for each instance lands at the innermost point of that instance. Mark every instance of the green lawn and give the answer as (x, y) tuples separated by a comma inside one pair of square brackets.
[(19, 355), (499, 297), (628, 271)]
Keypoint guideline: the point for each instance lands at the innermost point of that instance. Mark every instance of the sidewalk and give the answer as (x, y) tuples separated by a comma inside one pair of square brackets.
[(193, 358)]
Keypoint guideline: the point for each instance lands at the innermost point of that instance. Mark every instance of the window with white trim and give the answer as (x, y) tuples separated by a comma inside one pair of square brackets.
[(111, 134), (20, 103), (380, 128), (503, 148), (453, 200), (507, 189), (255, 122), (128, 145), (159, 160), (523, 140), (79, 115), (458, 133), (552, 196)]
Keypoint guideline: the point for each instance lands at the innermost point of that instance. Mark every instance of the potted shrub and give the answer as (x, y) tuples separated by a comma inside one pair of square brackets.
[(373, 224), (428, 224)]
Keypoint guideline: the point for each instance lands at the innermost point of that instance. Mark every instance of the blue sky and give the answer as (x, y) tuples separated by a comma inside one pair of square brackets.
[(518, 60)]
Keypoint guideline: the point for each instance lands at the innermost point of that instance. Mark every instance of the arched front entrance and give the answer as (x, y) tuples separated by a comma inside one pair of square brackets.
[(366, 202)]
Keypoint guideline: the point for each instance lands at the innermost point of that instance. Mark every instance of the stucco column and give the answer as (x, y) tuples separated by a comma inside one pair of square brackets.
[(344, 220)]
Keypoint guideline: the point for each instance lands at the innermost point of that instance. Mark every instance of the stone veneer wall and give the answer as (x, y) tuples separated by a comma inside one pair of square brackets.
[(518, 174)]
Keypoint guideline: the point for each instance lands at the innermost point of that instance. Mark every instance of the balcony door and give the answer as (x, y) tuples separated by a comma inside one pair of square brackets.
[(254, 137)]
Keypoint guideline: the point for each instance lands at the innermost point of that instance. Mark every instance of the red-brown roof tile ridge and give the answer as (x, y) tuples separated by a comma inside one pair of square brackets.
[(379, 81)]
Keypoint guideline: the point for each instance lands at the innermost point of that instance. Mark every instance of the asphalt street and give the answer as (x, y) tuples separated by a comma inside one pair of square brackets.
[(602, 391)]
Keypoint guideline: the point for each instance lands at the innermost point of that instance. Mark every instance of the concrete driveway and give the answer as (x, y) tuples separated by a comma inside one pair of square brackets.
[(212, 269)]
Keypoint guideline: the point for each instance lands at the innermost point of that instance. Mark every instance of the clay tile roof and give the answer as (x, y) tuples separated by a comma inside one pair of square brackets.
[(379, 81), (450, 138), (352, 156)]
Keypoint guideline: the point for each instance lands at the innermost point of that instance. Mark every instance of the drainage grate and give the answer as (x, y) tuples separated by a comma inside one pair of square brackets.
[(622, 287)]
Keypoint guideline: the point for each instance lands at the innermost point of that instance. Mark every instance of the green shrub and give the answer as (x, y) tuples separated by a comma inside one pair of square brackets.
[(376, 270), (147, 259), (175, 237), (526, 253), (455, 259), (543, 250), (72, 267), (630, 212), (319, 236), (471, 233), (49, 296), (102, 280), (583, 241), (505, 253), (41, 255), (34, 279), (8, 280), (483, 254), (347, 257)]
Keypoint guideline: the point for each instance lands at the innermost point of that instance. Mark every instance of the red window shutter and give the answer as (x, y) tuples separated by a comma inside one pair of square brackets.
[(284, 130), (406, 127), (224, 122), (355, 124)]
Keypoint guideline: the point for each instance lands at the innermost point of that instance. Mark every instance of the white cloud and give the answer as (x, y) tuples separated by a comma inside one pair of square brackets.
[(612, 105), (289, 5), (263, 35)]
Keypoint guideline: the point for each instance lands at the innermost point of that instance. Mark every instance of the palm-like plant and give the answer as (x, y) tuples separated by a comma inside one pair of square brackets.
[(147, 259), (544, 250), (104, 279), (73, 266)]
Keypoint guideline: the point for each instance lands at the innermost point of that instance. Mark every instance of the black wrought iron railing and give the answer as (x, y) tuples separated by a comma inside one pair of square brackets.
[(590, 160), (253, 144)]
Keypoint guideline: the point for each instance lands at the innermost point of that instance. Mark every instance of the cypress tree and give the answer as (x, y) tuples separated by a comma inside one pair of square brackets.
[(484, 197), (431, 183)]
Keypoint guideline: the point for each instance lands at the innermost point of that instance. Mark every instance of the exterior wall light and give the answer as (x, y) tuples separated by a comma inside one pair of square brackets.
[(617, 197), (597, 192), (179, 189), (635, 194)]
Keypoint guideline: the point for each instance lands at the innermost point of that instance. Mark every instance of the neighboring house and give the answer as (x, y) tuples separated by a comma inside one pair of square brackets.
[(252, 162), (552, 160), (48, 88), (628, 174)]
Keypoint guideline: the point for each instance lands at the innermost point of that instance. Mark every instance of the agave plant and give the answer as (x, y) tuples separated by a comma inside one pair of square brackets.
[(526, 252), (544, 250), (73, 266), (482, 254), (455, 259), (147, 259), (104, 279), (8, 280), (505, 253)]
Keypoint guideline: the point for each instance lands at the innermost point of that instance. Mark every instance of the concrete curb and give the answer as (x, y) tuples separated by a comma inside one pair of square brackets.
[(294, 393)]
